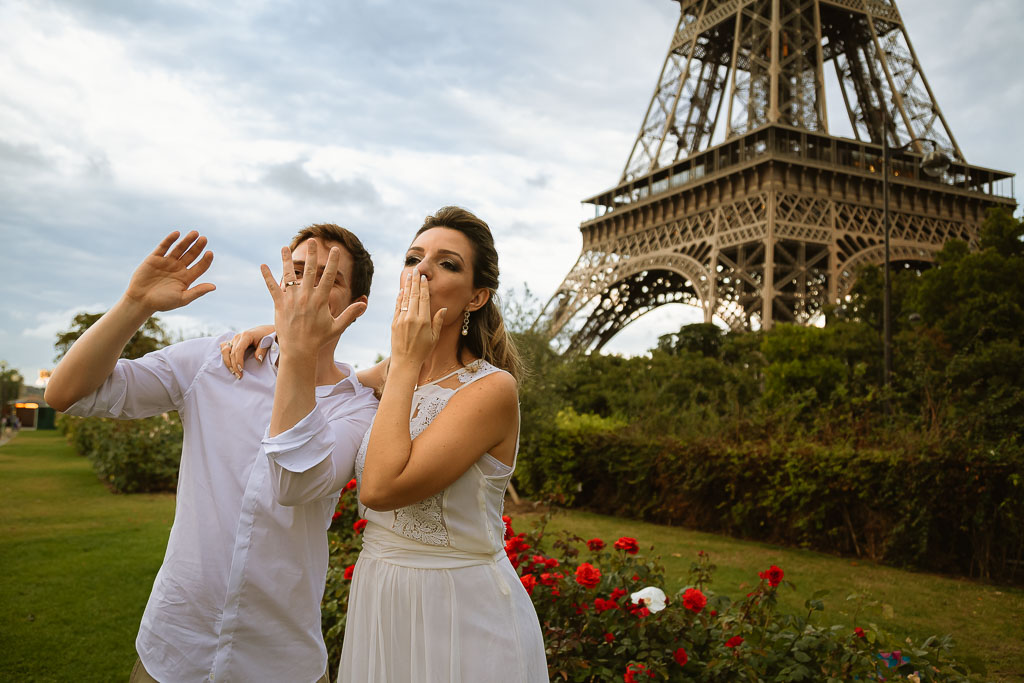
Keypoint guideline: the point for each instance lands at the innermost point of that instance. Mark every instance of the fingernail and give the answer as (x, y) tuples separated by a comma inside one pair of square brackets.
[(423, 278), (238, 367), (259, 357)]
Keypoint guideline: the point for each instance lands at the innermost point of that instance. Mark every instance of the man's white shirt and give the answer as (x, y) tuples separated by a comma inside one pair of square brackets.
[(238, 595)]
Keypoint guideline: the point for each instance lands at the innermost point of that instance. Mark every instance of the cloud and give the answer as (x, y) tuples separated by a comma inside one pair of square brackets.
[(539, 181), (293, 178), (22, 156), (49, 323)]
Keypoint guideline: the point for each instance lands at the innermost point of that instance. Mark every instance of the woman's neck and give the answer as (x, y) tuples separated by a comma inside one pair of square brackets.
[(443, 359)]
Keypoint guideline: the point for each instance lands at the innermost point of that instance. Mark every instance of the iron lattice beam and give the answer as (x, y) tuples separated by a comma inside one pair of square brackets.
[(765, 61), (771, 223)]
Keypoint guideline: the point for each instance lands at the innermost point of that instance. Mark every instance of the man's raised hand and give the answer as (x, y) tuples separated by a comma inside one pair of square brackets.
[(164, 280), (302, 314)]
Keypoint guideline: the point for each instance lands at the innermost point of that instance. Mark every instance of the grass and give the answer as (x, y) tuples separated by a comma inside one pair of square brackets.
[(78, 563)]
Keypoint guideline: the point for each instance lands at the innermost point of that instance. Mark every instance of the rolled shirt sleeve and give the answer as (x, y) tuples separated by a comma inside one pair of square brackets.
[(303, 446), (316, 457), (147, 386)]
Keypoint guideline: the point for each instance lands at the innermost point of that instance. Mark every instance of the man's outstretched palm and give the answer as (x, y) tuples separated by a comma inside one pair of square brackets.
[(163, 281)]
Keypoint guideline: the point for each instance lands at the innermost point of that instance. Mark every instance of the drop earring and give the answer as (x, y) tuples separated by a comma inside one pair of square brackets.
[(465, 324)]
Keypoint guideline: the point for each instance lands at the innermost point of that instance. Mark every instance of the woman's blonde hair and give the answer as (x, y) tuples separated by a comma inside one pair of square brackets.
[(487, 338)]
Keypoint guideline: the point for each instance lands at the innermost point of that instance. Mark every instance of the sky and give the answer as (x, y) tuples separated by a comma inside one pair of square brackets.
[(122, 121)]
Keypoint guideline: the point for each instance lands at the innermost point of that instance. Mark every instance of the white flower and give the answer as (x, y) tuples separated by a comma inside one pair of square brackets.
[(652, 598)]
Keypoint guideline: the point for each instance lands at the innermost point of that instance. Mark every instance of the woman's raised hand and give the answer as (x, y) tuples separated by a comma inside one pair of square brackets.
[(413, 332), (233, 352), (302, 314)]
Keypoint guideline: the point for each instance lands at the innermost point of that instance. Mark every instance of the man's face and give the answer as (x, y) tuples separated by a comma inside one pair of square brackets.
[(341, 293)]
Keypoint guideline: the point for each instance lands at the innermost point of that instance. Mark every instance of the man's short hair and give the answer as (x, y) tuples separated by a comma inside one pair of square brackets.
[(362, 264)]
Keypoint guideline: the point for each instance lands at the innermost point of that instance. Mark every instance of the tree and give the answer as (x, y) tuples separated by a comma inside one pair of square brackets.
[(10, 383), (703, 338), (150, 337)]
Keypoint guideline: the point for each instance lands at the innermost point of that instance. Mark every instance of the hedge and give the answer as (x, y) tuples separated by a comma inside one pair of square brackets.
[(129, 456), (934, 507)]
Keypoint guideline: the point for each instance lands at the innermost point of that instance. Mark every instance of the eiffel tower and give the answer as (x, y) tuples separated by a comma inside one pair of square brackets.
[(770, 223)]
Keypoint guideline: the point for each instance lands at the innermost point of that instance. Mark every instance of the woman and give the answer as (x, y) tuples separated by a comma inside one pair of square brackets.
[(434, 597)]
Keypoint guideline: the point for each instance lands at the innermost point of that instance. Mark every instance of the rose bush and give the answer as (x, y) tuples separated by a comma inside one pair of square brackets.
[(344, 540), (615, 623), (605, 617)]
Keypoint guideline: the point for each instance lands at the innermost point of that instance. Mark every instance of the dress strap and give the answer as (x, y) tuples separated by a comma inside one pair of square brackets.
[(478, 369)]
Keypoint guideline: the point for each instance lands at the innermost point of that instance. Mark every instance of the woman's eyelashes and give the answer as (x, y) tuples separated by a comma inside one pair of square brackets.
[(450, 265)]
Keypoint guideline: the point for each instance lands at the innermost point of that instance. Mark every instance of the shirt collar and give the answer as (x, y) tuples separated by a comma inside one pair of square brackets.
[(347, 384)]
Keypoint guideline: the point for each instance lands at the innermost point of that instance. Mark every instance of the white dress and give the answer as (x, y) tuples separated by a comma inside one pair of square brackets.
[(434, 598)]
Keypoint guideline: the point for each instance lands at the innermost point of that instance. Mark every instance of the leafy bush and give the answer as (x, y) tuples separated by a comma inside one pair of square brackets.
[(932, 507), (130, 456), (344, 543), (605, 618)]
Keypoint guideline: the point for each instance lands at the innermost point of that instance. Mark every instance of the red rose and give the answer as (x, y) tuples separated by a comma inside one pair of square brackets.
[(588, 575), (550, 562), (633, 672), (348, 572), (680, 657), (628, 544), (860, 632), (550, 579), (694, 600), (529, 582), (609, 637), (508, 526), (639, 611), (734, 641), (595, 544), (714, 613), (602, 605), (581, 608), (773, 575), (336, 516), (351, 485), (517, 544), (617, 593), (359, 525)]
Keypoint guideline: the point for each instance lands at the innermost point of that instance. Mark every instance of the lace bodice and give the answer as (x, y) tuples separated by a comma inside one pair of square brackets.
[(467, 514)]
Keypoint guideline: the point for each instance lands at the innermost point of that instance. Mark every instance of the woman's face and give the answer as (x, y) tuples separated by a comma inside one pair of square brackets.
[(445, 256)]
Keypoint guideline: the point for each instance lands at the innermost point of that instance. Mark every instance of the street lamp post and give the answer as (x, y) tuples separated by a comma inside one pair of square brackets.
[(934, 163)]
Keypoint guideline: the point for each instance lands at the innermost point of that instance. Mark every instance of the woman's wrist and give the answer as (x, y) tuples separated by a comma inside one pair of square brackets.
[(403, 371)]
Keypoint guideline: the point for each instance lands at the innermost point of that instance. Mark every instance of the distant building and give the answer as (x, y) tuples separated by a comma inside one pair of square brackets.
[(32, 411)]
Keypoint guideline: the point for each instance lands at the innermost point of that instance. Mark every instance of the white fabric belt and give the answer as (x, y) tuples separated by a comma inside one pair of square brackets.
[(382, 544)]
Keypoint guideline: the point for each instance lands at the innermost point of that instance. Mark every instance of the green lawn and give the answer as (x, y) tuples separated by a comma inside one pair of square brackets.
[(78, 562)]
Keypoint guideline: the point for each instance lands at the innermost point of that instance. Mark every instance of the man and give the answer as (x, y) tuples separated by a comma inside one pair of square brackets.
[(238, 595)]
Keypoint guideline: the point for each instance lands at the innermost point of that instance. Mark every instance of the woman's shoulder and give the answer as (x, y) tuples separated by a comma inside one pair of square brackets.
[(374, 376), (480, 378)]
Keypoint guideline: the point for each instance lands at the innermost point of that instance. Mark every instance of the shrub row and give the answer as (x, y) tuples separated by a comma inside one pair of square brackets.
[(930, 507), (130, 456)]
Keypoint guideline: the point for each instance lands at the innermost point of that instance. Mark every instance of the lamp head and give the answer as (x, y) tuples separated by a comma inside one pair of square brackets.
[(935, 163)]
